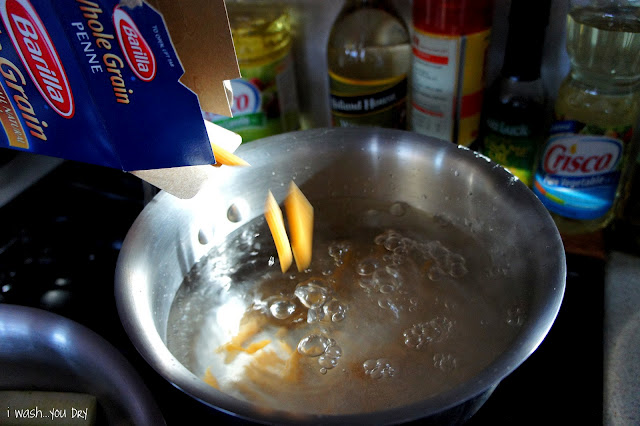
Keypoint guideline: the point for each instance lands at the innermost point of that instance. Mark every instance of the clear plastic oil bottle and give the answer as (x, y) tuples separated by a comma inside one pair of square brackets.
[(265, 99), (586, 162)]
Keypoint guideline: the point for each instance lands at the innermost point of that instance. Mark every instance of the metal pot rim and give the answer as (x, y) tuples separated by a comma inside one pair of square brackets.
[(152, 348)]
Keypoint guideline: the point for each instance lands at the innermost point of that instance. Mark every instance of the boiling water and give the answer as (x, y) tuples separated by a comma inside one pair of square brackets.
[(392, 310)]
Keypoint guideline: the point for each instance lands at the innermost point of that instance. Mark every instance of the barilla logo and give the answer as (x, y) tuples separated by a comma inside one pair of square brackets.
[(136, 49), (38, 54), (581, 155)]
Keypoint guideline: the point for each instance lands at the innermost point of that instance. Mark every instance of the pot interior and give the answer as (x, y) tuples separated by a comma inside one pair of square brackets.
[(435, 274)]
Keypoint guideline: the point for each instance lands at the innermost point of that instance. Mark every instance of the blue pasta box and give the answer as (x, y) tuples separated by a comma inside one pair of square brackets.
[(121, 84)]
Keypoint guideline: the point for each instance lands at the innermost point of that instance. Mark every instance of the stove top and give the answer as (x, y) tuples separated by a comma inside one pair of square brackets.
[(58, 249)]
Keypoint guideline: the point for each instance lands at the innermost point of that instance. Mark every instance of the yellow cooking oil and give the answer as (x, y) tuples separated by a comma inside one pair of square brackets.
[(585, 166), (265, 98)]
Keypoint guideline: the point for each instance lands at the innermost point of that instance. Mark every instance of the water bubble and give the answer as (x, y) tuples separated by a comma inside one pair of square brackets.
[(455, 258), (334, 351), (435, 330), (367, 283), (436, 273), (313, 345), (378, 368), (272, 261), (382, 238), (387, 303), (282, 309), (412, 338), (457, 270), (387, 278), (387, 288), (444, 362), (379, 239), (311, 294), (392, 243), (335, 310), (398, 209), (438, 252), (398, 259), (338, 250), (369, 365), (326, 349), (367, 266), (327, 362), (315, 314), (401, 250)]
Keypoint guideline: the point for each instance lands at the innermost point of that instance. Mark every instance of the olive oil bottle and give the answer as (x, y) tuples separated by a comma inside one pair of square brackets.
[(369, 57)]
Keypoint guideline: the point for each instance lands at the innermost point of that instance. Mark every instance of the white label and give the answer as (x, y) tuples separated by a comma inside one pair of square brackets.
[(434, 88)]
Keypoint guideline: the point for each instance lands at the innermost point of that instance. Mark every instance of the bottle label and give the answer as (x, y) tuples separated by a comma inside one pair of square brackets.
[(579, 169), (512, 146), (448, 81), (265, 101), (380, 103)]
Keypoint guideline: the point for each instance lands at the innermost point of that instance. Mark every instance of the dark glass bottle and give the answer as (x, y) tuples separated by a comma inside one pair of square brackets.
[(515, 109)]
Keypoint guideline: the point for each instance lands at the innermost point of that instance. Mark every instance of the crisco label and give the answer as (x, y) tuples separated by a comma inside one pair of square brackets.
[(578, 173), (264, 101), (136, 50), (597, 156), (380, 103), (38, 54)]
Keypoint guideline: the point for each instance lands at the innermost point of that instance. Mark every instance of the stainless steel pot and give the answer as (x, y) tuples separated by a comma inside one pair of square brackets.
[(171, 235)]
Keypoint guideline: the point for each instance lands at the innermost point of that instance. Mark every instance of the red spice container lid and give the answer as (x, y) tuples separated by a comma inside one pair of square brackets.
[(453, 17)]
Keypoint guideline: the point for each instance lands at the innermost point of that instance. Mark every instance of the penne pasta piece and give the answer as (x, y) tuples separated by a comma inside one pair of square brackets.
[(275, 220), (210, 379), (300, 218), (226, 158)]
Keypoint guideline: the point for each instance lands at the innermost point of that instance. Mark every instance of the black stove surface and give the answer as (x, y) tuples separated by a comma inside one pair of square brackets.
[(58, 249)]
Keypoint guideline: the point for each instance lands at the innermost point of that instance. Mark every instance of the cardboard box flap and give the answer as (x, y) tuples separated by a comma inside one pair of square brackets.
[(185, 182), (201, 36)]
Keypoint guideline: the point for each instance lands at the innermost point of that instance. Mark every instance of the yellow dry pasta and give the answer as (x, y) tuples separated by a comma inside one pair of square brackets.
[(226, 158), (210, 379), (275, 220), (300, 218)]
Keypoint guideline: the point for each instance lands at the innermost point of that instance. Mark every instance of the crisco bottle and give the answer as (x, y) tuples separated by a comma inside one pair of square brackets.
[(265, 98), (586, 162), (369, 57)]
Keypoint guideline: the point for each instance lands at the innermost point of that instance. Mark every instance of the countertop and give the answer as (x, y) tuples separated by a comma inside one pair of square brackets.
[(60, 241)]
